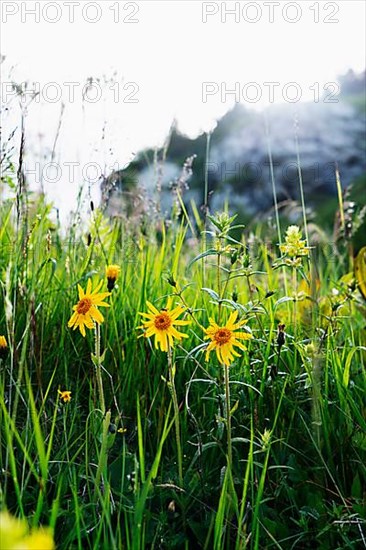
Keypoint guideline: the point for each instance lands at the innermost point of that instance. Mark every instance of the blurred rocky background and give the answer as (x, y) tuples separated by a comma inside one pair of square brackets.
[(329, 133)]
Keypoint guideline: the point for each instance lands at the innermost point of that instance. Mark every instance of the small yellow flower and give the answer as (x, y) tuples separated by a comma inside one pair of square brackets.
[(3, 347), (112, 273), (161, 325), (294, 246), (86, 311), (266, 438), (224, 338), (65, 396), (310, 349), (122, 430)]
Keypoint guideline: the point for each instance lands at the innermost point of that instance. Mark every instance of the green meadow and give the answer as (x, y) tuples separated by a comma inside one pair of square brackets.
[(244, 427)]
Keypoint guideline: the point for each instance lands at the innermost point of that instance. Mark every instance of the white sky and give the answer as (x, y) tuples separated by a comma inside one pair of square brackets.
[(168, 53)]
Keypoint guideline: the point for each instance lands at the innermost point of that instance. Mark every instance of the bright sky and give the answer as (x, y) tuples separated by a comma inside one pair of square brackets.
[(164, 55)]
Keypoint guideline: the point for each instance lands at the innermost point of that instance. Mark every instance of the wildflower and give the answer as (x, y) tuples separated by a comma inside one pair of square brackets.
[(40, 540), (65, 396), (222, 221), (112, 273), (12, 530), (3, 347), (14, 535), (161, 325), (266, 438), (294, 247), (224, 338), (122, 430), (86, 310), (310, 349)]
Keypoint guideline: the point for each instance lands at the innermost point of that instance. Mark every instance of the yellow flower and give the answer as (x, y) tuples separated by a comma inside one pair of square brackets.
[(65, 396), (14, 535), (12, 530), (224, 338), (294, 246), (40, 540), (122, 430), (3, 347), (112, 272), (161, 325), (86, 310)]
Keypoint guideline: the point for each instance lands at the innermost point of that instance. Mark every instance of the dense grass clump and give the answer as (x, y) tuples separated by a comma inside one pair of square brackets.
[(177, 448)]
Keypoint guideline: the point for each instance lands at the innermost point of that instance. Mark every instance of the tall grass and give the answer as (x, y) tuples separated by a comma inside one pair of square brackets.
[(292, 412)]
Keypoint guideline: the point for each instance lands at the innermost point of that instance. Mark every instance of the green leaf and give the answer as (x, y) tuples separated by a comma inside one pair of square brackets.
[(234, 408), (347, 366), (359, 440), (54, 264), (212, 293), (356, 489), (209, 252), (283, 300)]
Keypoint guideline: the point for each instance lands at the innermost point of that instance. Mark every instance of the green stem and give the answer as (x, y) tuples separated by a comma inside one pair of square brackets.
[(189, 310), (226, 284), (294, 284), (252, 300), (301, 182), (219, 279), (205, 211), (269, 149), (102, 463), (176, 415), (228, 417), (103, 456), (173, 392), (98, 369)]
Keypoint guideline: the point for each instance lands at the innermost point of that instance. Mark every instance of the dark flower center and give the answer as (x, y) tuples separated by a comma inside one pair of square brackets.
[(83, 306), (222, 336), (162, 321)]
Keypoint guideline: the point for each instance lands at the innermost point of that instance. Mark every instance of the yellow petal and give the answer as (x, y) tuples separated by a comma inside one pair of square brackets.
[(176, 312), (181, 323), (243, 335), (148, 315), (88, 321), (96, 315), (152, 308), (231, 320), (97, 288), (72, 320), (88, 286), (164, 342), (177, 334)]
